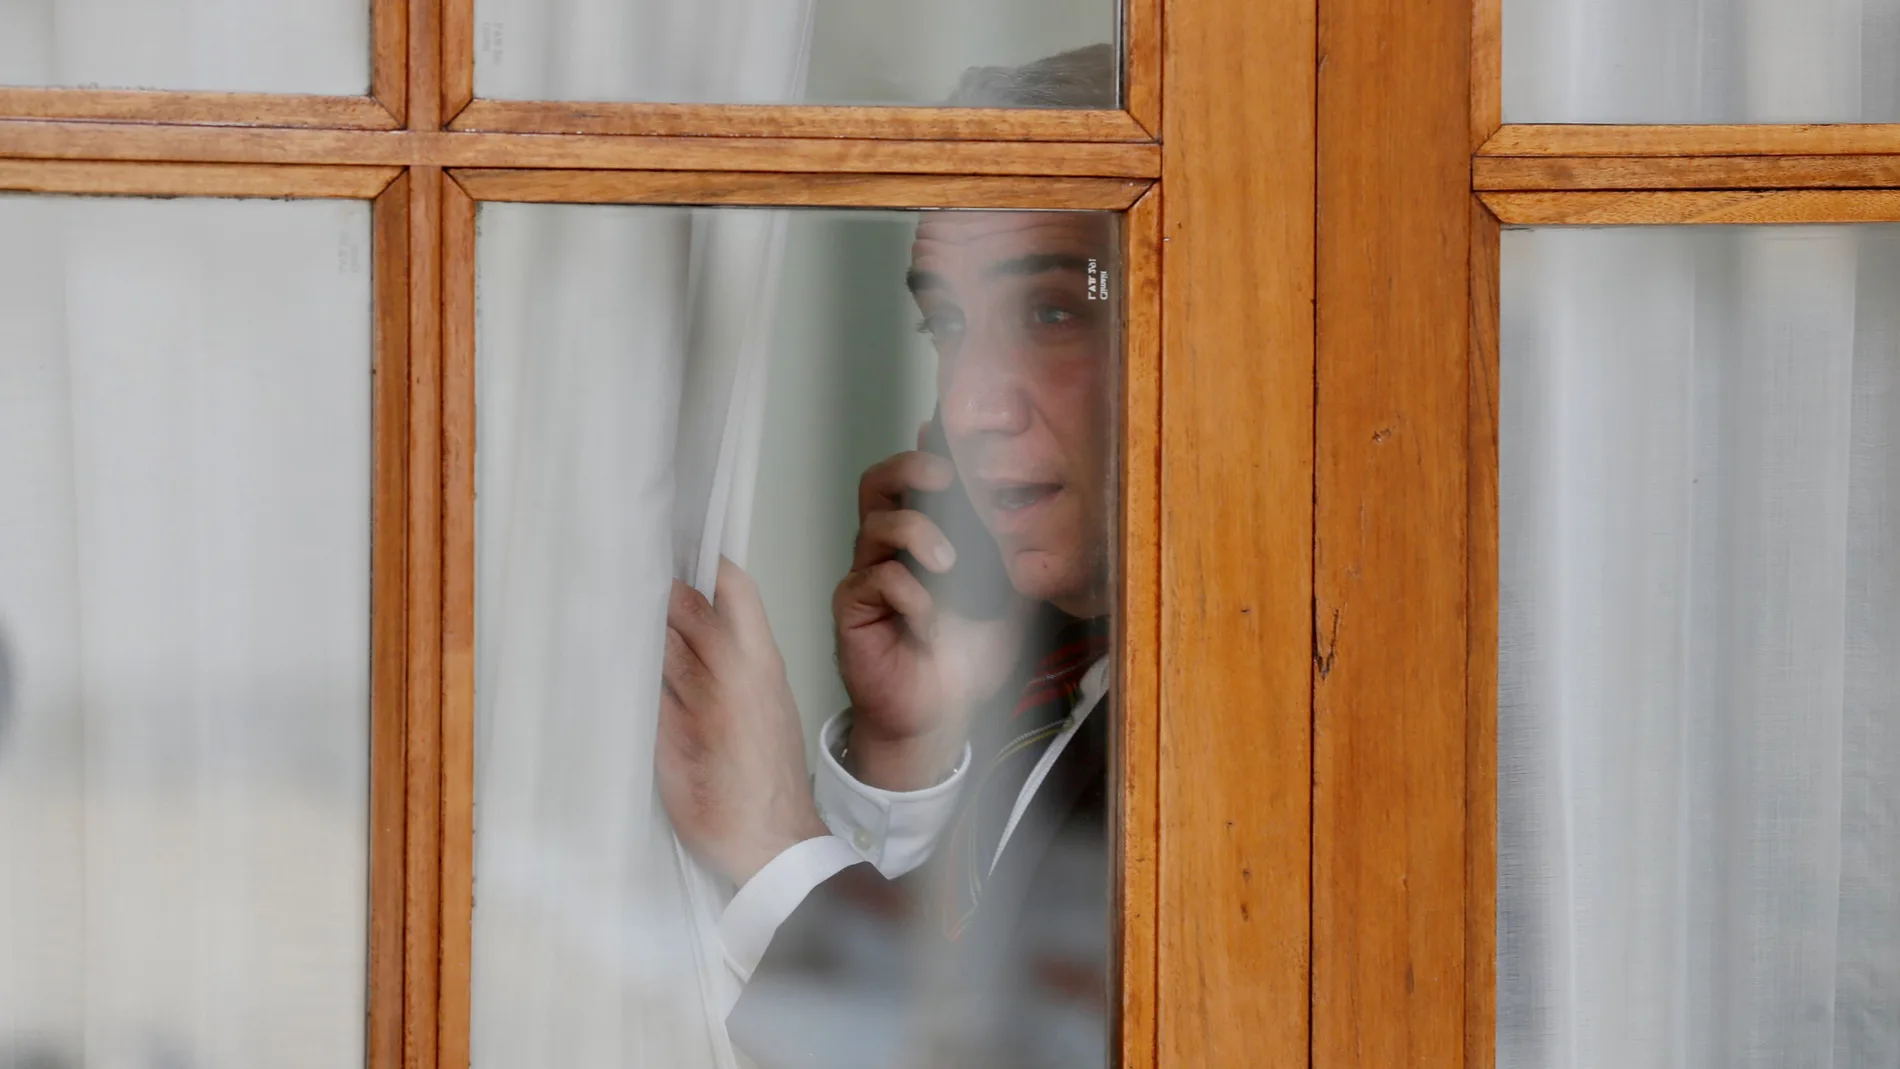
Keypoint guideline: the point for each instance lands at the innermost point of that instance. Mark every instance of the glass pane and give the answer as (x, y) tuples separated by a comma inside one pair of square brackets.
[(1699, 678), (801, 51), (256, 46), (661, 387), (1701, 61), (184, 632)]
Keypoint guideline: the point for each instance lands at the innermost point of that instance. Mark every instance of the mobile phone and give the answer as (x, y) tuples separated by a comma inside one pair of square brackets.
[(977, 586)]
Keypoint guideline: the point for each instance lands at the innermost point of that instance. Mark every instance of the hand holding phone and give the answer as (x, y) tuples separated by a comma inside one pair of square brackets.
[(921, 647), (977, 587)]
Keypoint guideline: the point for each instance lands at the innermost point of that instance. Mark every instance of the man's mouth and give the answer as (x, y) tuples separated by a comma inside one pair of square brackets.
[(1016, 497)]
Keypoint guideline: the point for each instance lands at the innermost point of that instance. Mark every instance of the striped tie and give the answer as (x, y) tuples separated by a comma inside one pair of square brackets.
[(1007, 754)]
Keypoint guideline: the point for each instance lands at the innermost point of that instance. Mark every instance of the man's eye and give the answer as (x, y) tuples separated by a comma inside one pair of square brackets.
[(1051, 316), (940, 324)]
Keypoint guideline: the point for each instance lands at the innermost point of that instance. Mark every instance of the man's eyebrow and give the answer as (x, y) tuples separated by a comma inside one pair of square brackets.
[(1037, 263), (1033, 264)]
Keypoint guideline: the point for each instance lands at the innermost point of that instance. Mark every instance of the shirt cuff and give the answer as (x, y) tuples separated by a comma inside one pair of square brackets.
[(773, 894), (893, 830)]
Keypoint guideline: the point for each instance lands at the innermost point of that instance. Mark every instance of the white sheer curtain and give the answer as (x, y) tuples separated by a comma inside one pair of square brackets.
[(1699, 793), (689, 51), (1701, 61), (184, 625), (621, 357), (621, 384), (257, 46)]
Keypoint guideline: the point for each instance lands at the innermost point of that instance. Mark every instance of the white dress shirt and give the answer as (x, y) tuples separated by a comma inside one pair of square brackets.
[(894, 830)]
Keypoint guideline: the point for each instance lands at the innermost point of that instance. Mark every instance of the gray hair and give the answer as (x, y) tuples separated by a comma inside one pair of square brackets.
[(1087, 77)]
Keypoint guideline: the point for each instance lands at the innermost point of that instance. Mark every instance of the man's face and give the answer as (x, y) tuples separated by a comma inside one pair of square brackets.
[(1024, 356)]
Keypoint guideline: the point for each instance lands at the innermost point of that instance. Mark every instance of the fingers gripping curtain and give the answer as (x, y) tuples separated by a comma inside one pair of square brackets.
[(621, 378)]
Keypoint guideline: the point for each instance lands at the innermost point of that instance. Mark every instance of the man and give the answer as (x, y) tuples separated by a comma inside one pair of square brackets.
[(965, 788)]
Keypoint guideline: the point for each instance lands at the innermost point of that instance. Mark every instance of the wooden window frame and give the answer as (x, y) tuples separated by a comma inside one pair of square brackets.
[(1214, 765), (1418, 175)]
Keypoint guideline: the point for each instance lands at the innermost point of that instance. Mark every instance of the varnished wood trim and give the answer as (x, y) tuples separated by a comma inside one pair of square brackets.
[(1139, 685), (198, 108), (1236, 533), (458, 58), (1523, 139), (458, 620), (108, 141), (425, 65), (1481, 664), (1684, 172), (1390, 550), (1141, 80), (1487, 70), (423, 947), (799, 121), (1669, 208), (804, 190), (389, 635), (136, 142), (193, 179), (389, 58)]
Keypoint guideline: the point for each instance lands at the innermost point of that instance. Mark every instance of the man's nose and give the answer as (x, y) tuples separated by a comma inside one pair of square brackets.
[(984, 394)]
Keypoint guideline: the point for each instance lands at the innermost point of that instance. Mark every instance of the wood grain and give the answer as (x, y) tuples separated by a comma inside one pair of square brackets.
[(207, 109), (425, 65), (1487, 70), (389, 631), (389, 58), (1236, 533), (1139, 685), (458, 57), (1672, 208), (1390, 539), (806, 190), (458, 621), (1683, 172), (106, 141), (800, 120), (1141, 81), (1481, 657), (423, 888), (193, 179), (1784, 140)]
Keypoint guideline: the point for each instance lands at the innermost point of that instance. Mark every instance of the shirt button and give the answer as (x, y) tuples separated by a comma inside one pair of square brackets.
[(862, 839)]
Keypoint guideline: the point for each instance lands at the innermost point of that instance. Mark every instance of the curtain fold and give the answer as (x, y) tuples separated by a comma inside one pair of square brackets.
[(622, 361), (1699, 621), (622, 369)]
